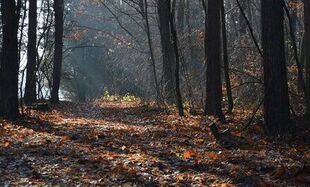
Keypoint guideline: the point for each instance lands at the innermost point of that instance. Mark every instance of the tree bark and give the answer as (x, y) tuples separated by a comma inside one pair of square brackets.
[(179, 101), (30, 89), (307, 55), (226, 60), (214, 86), (9, 61), (167, 51), (276, 104), (59, 24)]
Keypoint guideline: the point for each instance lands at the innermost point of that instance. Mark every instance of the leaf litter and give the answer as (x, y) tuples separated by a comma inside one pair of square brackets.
[(129, 144)]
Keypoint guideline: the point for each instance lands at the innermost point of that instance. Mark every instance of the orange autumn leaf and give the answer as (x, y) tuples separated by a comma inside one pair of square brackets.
[(7, 144), (179, 178), (238, 134), (189, 154), (224, 185), (212, 155)]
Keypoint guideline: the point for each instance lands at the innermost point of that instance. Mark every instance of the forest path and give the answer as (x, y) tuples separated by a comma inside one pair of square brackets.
[(128, 144)]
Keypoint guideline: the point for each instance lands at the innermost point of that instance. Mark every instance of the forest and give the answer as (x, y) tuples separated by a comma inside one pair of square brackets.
[(155, 93)]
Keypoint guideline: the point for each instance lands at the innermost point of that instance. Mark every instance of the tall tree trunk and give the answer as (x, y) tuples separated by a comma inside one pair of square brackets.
[(179, 102), (214, 86), (59, 24), (9, 61), (226, 60), (167, 51), (276, 105), (307, 55), (30, 89)]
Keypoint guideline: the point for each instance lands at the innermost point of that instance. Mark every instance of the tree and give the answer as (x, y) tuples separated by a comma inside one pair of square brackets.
[(59, 27), (173, 30), (307, 55), (9, 61), (167, 51), (214, 86), (145, 15), (30, 89), (276, 104), (226, 60)]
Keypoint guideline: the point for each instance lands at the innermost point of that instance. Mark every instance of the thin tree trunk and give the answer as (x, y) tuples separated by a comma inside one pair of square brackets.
[(226, 60), (307, 55), (150, 43), (30, 89), (59, 24), (177, 62), (20, 42)]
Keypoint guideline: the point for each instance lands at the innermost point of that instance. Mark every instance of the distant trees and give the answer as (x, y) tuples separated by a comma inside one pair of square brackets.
[(276, 105), (145, 14), (30, 88), (58, 54), (9, 60), (146, 32)]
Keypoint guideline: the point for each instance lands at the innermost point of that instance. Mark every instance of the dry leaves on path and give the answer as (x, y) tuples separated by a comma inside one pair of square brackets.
[(119, 144)]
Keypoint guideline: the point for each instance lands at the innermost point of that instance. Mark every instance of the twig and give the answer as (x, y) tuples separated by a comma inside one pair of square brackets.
[(250, 28)]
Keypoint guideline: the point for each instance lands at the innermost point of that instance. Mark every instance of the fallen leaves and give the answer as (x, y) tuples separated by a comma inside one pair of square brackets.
[(117, 144)]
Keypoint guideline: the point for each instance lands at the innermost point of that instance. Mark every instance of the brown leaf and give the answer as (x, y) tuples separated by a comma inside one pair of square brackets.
[(212, 156), (132, 172), (200, 141), (279, 172)]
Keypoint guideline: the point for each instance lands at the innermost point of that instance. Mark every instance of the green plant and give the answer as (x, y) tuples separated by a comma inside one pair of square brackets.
[(129, 98)]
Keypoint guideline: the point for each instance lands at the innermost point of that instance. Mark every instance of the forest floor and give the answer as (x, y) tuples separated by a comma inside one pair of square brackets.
[(128, 144)]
